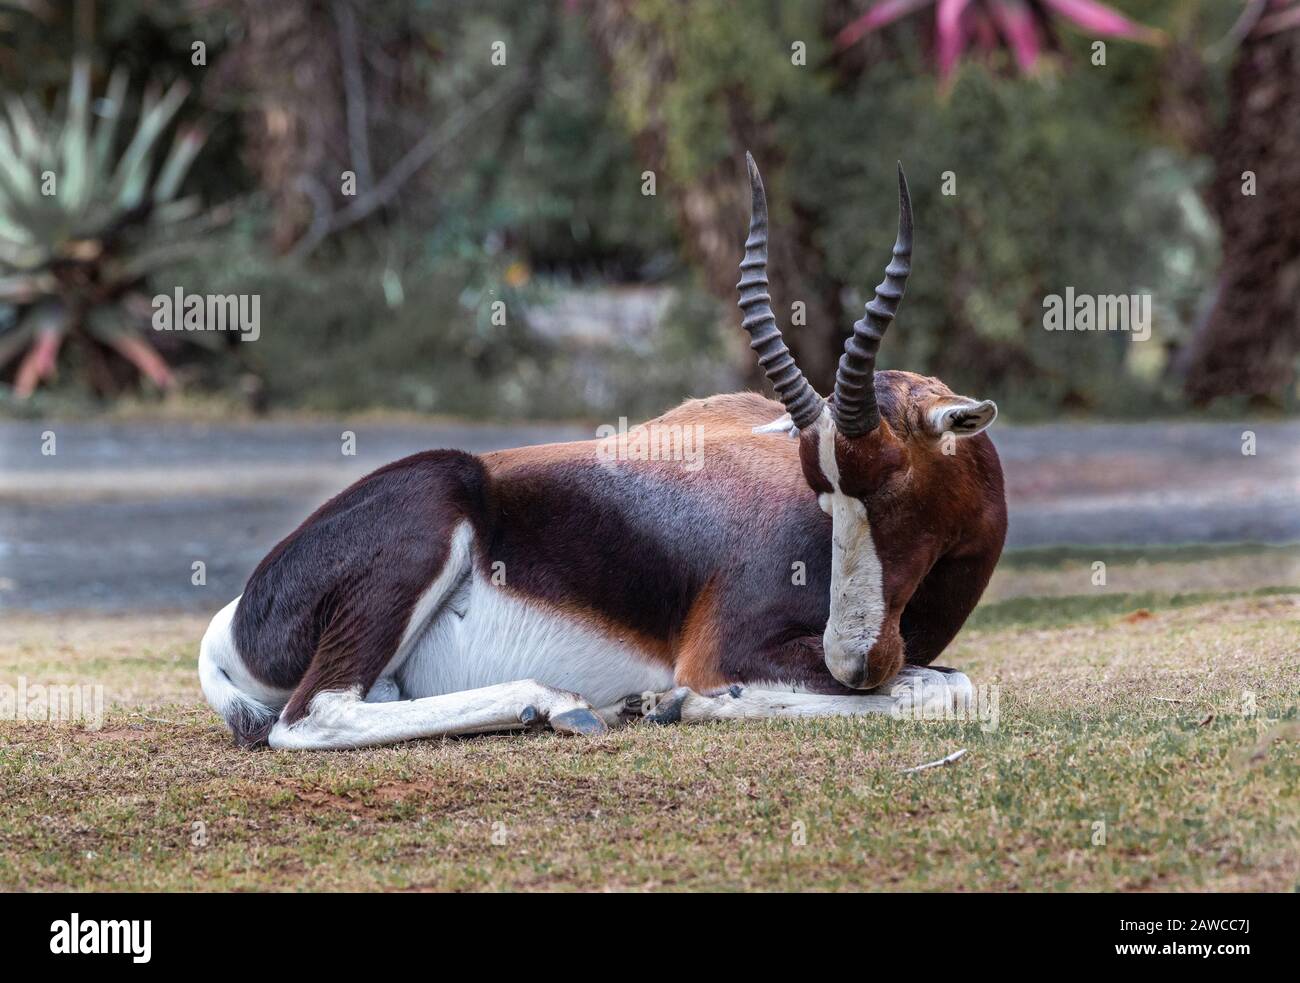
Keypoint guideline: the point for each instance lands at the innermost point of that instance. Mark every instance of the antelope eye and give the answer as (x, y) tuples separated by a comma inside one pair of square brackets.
[(893, 488)]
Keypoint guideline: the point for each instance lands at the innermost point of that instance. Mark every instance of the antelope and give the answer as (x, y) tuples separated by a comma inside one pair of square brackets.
[(824, 553)]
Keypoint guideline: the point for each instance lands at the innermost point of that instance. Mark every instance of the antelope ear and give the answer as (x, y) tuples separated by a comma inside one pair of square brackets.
[(961, 417), (782, 424)]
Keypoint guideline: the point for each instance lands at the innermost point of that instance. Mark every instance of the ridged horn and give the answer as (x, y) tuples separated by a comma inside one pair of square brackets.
[(798, 395), (854, 408)]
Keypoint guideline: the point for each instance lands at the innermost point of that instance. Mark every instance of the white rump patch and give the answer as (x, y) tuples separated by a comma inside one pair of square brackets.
[(225, 680)]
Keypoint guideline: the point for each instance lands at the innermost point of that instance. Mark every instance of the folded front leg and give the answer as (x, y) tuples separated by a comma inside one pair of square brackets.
[(684, 705), (915, 691)]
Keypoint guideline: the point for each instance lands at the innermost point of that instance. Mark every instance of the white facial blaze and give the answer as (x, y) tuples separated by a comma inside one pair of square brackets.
[(857, 580)]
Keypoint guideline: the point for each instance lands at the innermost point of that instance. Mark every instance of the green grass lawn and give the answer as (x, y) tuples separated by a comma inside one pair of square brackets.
[(1141, 743)]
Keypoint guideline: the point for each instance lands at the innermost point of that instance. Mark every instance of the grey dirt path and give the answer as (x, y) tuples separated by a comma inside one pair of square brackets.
[(115, 519)]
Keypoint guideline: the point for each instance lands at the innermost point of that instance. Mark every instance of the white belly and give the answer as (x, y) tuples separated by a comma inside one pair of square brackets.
[(484, 636)]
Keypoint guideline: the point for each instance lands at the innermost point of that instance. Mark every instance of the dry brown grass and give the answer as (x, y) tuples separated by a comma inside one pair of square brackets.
[(1176, 729)]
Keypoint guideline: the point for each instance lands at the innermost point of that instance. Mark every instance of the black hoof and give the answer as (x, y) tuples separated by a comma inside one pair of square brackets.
[(579, 721), (528, 715), (669, 710)]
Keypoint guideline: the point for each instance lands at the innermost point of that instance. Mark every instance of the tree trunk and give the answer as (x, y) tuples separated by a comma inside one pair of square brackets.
[(315, 105), (287, 63), (1249, 341), (712, 209)]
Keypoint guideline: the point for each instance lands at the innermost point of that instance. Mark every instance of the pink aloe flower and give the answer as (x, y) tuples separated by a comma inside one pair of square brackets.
[(1023, 26)]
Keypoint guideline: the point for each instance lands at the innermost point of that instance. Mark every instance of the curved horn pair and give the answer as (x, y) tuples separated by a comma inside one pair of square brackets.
[(854, 407)]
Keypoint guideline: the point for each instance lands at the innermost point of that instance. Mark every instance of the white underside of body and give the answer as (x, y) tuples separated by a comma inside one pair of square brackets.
[(473, 633)]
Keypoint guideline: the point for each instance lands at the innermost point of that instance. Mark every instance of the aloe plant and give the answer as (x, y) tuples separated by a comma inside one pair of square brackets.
[(83, 224), (1024, 26)]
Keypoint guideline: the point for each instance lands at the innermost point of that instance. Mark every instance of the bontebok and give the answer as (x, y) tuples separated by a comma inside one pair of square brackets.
[(817, 553)]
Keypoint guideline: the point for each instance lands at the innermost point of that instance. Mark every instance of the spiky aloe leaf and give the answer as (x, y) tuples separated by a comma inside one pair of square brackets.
[(14, 341), (115, 329), (1016, 24), (132, 176), (1098, 18), (17, 156), (110, 112), (880, 15), (962, 24), (950, 34), (16, 247), (145, 357), (23, 288), (1285, 19), (27, 134), (50, 322), (77, 174), (185, 148), (112, 219)]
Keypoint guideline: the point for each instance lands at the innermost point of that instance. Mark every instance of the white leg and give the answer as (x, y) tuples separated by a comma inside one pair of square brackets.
[(340, 720), (915, 691)]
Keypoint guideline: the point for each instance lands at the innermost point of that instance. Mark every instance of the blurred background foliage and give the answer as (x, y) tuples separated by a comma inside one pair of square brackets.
[(523, 183)]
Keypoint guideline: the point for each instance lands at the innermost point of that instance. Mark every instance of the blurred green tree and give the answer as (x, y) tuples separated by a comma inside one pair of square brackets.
[(476, 180), (1021, 189)]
